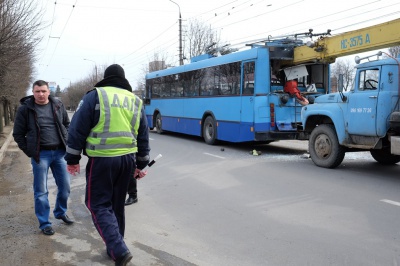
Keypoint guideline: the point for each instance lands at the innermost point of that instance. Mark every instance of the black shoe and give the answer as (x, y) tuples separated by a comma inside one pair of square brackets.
[(131, 200), (48, 231), (122, 261), (65, 219)]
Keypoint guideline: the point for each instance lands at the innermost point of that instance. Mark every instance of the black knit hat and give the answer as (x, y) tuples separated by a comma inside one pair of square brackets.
[(114, 70)]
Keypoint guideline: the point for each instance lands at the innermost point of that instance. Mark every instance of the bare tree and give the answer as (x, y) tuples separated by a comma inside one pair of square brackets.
[(72, 95), (140, 89), (158, 61), (200, 37), (20, 22), (345, 67), (394, 51)]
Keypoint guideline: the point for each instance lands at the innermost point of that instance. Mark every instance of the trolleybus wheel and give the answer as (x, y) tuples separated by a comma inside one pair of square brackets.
[(210, 131), (159, 124)]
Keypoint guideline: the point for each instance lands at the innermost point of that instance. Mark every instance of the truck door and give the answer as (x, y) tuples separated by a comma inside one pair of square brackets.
[(362, 103)]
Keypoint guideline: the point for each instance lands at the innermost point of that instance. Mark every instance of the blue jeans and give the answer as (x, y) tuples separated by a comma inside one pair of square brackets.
[(53, 159)]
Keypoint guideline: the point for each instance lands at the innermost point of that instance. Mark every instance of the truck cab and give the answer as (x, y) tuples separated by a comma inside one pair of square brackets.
[(370, 103), (360, 119)]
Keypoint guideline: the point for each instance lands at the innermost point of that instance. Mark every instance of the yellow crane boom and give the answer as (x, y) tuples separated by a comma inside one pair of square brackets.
[(327, 49)]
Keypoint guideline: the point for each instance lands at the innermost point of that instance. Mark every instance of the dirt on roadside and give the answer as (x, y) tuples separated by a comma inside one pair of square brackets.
[(21, 241)]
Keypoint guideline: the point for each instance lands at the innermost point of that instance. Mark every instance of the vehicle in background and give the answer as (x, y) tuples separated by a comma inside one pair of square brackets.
[(251, 95), (367, 118)]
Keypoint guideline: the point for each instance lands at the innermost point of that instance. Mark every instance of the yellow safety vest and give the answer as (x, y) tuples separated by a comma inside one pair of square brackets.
[(116, 132)]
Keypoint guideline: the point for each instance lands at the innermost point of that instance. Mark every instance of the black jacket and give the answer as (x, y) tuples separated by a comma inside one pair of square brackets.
[(87, 116), (26, 131)]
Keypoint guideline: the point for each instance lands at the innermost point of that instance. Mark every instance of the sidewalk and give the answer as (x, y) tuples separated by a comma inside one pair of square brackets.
[(79, 244), (22, 243), (5, 139)]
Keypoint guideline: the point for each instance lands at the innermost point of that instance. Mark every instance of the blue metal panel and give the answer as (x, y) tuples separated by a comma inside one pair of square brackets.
[(235, 132), (226, 130)]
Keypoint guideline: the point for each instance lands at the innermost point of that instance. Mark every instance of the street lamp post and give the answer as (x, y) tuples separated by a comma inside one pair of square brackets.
[(180, 35), (95, 65)]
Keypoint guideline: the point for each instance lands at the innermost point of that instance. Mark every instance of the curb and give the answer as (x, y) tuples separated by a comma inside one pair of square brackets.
[(5, 146)]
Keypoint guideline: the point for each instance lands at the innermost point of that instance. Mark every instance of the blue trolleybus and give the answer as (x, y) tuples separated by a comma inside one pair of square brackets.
[(250, 95)]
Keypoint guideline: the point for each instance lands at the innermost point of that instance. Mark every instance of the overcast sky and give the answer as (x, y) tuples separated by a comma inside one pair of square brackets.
[(129, 32)]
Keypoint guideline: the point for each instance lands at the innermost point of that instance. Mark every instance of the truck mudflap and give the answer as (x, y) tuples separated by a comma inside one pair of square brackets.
[(395, 145)]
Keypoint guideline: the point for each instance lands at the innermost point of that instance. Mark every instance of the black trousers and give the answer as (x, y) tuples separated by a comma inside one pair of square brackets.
[(106, 187), (132, 187)]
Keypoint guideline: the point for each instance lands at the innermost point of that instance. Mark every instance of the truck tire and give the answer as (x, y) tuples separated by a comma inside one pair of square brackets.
[(210, 131), (159, 124), (383, 156), (324, 147)]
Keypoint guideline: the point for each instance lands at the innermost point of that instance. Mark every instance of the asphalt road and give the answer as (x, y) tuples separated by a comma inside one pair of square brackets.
[(220, 205), (203, 206)]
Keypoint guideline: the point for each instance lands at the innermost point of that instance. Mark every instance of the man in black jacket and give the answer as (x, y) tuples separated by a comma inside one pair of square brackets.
[(40, 130)]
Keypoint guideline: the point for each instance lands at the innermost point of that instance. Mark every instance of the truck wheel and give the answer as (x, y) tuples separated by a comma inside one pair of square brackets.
[(324, 147), (384, 156), (159, 124), (210, 131)]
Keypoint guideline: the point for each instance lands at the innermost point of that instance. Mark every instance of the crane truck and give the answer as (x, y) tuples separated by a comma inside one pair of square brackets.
[(365, 118)]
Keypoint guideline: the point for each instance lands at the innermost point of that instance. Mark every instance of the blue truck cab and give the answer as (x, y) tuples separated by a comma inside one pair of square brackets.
[(366, 118)]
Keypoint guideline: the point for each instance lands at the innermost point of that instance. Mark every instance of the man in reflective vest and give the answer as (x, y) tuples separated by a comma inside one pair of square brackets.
[(109, 127)]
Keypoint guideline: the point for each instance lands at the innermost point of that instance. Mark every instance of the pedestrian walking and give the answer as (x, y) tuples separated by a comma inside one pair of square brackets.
[(110, 128), (40, 130)]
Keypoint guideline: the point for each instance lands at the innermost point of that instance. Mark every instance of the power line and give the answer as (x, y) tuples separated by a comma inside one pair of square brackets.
[(262, 14), (241, 7), (341, 12), (59, 37), (144, 45), (170, 43), (51, 27)]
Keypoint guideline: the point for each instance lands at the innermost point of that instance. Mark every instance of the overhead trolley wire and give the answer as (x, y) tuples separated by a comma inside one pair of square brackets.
[(308, 21), (233, 11), (146, 44), (62, 31), (164, 49), (51, 28)]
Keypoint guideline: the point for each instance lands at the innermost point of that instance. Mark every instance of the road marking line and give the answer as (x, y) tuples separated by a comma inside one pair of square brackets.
[(391, 202), (214, 155)]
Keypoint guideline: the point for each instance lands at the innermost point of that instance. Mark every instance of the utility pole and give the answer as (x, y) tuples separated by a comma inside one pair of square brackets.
[(180, 35)]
